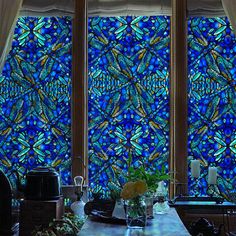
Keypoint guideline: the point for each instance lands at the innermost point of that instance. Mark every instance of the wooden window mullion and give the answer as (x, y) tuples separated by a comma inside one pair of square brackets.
[(178, 96), (79, 90)]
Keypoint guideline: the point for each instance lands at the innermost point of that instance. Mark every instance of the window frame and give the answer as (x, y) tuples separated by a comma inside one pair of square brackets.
[(79, 91), (179, 98), (178, 95)]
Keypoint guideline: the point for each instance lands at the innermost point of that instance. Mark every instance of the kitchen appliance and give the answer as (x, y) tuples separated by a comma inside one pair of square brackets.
[(42, 183), (42, 199)]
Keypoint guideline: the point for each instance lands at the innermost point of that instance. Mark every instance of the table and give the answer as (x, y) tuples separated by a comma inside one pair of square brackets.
[(162, 225)]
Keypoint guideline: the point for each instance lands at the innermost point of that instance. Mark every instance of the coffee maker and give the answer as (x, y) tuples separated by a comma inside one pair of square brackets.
[(7, 225)]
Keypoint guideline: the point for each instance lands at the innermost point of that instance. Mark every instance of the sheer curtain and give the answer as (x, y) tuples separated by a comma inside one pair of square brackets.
[(48, 7), (9, 11), (128, 7), (207, 8), (152, 7), (230, 10)]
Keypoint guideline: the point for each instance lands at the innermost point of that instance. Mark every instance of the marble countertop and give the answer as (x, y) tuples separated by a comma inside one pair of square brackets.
[(162, 225)]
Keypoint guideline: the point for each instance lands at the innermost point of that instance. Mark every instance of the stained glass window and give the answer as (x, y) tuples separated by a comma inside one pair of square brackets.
[(128, 89), (212, 100), (35, 95)]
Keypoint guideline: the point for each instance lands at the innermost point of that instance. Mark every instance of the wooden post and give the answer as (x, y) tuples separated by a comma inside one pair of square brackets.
[(178, 96), (79, 90)]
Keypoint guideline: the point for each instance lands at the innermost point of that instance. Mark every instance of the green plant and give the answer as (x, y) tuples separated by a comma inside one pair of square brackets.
[(151, 177), (69, 225), (115, 194)]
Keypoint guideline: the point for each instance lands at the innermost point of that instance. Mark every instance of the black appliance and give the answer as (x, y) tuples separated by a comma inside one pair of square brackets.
[(42, 183)]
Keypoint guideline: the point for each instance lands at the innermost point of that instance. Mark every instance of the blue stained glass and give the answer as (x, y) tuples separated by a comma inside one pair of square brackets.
[(212, 100), (35, 96), (128, 94)]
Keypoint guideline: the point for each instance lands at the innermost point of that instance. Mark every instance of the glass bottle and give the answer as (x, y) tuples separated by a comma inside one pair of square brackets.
[(161, 206), (78, 206)]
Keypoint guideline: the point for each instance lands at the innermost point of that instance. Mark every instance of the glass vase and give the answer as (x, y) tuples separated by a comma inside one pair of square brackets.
[(136, 212), (149, 205)]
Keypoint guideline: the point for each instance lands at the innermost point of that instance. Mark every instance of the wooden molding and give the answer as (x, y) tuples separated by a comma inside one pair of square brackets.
[(178, 96), (79, 90)]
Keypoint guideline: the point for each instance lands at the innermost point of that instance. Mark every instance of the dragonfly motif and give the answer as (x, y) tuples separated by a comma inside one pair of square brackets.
[(212, 118), (35, 118), (128, 94)]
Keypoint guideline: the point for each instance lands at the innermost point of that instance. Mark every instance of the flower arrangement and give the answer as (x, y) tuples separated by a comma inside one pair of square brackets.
[(140, 178), (133, 189), (136, 216), (140, 182), (137, 173)]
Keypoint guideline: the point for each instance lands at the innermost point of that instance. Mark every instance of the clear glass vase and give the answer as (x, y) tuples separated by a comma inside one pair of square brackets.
[(136, 212), (149, 205)]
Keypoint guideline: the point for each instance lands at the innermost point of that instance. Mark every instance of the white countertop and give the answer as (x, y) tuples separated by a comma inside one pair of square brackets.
[(162, 225)]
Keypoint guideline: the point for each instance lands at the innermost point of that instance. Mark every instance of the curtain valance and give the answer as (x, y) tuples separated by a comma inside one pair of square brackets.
[(208, 8), (128, 7), (120, 7), (152, 7), (48, 8)]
